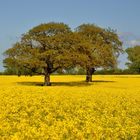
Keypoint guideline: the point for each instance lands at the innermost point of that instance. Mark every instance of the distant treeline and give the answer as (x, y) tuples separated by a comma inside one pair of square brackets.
[(72, 71)]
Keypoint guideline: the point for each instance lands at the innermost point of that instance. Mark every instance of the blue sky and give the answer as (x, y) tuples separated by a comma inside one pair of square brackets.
[(18, 16)]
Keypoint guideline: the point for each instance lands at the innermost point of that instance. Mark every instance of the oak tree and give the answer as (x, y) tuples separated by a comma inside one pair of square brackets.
[(105, 48), (40, 50)]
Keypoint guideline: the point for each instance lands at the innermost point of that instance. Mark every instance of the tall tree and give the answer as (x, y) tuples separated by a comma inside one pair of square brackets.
[(134, 58), (41, 48), (105, 47)]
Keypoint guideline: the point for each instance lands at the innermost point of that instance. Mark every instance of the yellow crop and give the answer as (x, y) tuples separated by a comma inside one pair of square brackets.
[(108, 108)]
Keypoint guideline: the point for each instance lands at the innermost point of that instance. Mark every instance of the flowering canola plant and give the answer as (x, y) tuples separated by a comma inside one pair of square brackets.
[(107, 108)]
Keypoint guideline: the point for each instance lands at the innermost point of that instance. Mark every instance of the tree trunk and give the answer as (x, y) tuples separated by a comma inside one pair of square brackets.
[(88, 76), (138, 70), (47, 80), (90, 71)]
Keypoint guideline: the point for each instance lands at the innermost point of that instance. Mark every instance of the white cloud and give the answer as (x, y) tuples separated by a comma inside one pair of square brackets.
[(133, 42), (129, 39)]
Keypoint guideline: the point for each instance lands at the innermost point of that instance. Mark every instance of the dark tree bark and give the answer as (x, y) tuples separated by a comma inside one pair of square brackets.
[(90, 71), (47, 73), (47, 77), (47, 80), (138, 70), (88, 76)]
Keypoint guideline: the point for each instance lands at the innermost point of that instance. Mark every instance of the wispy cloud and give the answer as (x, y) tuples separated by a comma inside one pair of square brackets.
[(129, 39), (133, 42)]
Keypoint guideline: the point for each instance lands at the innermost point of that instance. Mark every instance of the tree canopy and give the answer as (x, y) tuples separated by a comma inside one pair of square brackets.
[(134, 58), (105, 47)]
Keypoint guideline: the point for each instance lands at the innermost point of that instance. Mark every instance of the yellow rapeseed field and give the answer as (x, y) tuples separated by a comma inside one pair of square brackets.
[(108, 108)]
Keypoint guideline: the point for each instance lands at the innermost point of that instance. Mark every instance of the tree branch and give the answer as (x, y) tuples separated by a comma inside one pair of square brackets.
[(53, 70), (41, 73)]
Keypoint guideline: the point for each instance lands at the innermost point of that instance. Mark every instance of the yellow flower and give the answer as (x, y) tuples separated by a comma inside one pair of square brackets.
[(108, 108)]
